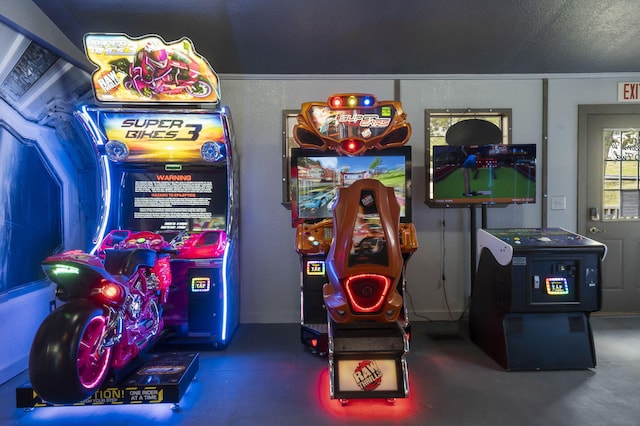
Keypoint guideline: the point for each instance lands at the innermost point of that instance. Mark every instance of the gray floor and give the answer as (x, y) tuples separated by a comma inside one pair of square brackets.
[(266, 377)]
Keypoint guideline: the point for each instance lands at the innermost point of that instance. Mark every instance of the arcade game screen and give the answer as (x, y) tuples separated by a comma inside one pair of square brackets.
[(316, 177), (193, 199), (464, 175)]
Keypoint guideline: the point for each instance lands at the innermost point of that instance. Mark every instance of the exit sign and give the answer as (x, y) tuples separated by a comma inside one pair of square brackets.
[(629, 92)]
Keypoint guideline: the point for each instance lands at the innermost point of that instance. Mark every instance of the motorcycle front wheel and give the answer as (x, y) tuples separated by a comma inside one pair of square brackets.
[(67, 361), (201, 88)]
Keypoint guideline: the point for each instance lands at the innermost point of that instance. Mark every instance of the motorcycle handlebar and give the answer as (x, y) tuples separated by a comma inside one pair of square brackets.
[(169, 250)]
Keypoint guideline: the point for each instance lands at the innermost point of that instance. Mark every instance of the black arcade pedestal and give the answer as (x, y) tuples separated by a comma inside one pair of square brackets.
[(158, 378), (532, 297)]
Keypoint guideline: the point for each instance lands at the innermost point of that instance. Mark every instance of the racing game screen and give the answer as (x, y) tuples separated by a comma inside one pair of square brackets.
[(316, 177)]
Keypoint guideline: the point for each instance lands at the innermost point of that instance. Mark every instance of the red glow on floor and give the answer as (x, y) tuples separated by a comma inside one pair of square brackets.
[(366, 409)]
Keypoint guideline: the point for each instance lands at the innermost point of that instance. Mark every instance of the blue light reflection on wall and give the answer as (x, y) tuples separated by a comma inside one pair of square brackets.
[(30, 212)]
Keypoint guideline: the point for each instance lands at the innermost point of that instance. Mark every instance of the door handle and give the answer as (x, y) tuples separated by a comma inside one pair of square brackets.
[(594, 230)]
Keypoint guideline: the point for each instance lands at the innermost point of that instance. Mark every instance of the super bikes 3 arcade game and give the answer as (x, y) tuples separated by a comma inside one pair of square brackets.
[(351, 206), (168, 156), (169, 162), (165, 251)]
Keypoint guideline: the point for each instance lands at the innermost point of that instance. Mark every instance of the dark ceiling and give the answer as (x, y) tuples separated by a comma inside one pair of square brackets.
[(375, 36)]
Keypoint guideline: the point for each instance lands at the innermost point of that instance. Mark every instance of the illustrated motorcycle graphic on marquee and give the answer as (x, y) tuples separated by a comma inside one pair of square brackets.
[(148, 68)]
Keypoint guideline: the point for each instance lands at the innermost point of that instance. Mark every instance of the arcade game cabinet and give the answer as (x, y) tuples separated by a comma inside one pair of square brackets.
[(351, 206), (169, 165), (533, 294)]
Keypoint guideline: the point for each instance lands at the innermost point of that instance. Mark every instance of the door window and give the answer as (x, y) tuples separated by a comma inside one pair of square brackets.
[(621, 175)]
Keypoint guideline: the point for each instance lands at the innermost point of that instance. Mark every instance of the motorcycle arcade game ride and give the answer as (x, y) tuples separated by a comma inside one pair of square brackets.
[(350, 191), (169, 184)]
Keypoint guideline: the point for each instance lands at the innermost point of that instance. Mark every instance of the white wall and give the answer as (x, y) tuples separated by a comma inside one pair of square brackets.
[(446, 250), (270, 274), (564, 97)]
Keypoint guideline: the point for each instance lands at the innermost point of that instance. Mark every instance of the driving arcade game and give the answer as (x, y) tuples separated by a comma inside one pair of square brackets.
[(534, 291), (168, 165), (351, 206)]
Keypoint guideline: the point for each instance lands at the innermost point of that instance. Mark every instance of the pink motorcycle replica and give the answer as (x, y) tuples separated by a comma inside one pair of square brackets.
[(155, 71), (112, 312)]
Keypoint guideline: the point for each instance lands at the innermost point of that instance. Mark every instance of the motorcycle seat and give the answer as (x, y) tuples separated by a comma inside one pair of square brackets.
[(364, 263), (361, 246), (126, 262)]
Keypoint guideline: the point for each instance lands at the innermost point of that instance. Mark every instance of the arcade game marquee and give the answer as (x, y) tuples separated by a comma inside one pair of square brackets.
[(168, 165), (351, 206)]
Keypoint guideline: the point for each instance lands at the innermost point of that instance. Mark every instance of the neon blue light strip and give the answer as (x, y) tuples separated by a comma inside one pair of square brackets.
[(107, 201), (225, 294), (98, 139), (90, 126)]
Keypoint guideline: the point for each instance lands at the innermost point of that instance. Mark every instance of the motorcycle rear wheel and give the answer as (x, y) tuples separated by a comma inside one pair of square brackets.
[(67, 362)]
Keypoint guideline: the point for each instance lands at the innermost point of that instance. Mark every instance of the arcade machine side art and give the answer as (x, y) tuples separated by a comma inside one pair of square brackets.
[(350, 141), (168, 160)]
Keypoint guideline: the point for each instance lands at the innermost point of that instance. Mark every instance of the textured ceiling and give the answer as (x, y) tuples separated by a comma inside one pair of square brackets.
[(375, 36)]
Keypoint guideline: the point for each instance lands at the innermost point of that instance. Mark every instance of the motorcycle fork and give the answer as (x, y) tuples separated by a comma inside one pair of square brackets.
[(113, 332)]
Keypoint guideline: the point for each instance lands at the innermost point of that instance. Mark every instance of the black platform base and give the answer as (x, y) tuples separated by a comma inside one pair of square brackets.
[(160, 378), (315, 338), (538, 341)]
